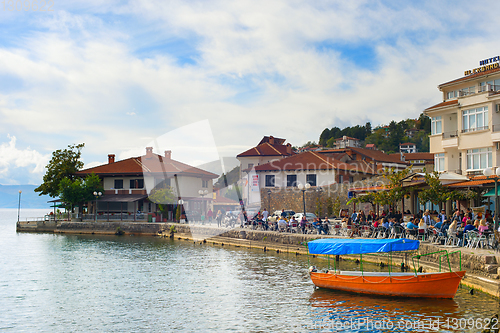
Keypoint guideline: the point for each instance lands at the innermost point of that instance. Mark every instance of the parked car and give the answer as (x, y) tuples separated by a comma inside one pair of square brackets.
[(288, 212), (309, 216)]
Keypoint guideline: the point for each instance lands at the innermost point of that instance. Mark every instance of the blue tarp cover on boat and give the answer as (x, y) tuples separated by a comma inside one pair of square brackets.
[(359, 246)]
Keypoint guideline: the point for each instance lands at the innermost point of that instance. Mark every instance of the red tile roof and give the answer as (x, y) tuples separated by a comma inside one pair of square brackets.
[(270, 139), (476, 75), (153, 164), (376, 155), (305, 161), (267, 149), (476, 181), (447, 103), (407, 143), (419, 156)]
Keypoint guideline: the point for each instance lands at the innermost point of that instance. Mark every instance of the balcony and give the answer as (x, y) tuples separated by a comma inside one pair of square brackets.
[(450, 139), (475, 129), (488, 87)]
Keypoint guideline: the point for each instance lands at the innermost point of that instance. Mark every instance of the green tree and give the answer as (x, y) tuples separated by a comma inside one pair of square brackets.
[(76, 192), (163, 196), (63, 164)]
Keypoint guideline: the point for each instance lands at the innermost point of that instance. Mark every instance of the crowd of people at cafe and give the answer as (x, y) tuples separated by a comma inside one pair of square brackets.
[(425, 224)]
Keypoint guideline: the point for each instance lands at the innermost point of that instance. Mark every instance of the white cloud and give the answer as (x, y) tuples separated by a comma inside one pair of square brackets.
[(12, 158), (114, 76)]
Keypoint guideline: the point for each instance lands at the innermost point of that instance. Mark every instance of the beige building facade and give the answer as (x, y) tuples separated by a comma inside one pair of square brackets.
[(465, 126)]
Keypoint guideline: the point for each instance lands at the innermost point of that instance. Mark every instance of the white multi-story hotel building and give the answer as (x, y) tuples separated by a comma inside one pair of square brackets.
[(465, 126)]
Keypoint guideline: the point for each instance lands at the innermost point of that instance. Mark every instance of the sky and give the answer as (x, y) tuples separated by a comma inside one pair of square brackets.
[(117, 75)]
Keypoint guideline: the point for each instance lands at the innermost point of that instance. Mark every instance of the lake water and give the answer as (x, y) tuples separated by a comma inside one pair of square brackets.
[(76, 283)]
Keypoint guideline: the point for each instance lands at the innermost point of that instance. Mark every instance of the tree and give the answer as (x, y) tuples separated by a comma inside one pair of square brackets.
[(63, 164), (163, 196), (76, 192), (393, 192)]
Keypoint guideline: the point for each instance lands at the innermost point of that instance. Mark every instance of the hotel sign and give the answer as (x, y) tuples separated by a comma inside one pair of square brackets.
[(486, 65)]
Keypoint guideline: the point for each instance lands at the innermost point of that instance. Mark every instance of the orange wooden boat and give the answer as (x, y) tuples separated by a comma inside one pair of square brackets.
[(414, 284)]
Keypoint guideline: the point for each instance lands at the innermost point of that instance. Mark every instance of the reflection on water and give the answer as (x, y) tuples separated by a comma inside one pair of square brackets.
[(82, 283), (343, 311)]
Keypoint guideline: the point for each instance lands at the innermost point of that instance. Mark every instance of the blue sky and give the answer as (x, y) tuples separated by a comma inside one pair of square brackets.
[(118, 74)]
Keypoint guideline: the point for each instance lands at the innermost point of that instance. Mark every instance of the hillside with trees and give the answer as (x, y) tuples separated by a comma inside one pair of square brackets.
[(386, 138)]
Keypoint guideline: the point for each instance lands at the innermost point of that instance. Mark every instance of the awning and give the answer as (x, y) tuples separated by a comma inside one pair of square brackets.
[(338, 246), (491, 193), (122, 197)]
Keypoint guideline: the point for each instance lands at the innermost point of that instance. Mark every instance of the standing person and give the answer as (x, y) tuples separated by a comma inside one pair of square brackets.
[(283, 214), (210, 214), (427, 217), (218, 217), (303, 223), (265, 215), (354, 216), (442, 216)]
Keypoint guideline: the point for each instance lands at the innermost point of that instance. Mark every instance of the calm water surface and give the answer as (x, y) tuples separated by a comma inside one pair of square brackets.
[(61, 283)]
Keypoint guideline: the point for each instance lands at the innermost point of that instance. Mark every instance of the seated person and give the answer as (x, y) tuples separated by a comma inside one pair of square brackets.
[(422, 225), (282, 223), (469, 226), (438, 225), (410, 225), (482, 226), (317, 225)]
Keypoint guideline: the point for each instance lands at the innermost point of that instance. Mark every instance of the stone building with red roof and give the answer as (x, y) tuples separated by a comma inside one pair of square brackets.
[(128, 182)]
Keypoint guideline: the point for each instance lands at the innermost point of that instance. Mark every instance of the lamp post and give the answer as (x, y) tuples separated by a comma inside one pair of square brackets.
[(19, 206), (180, 202), (269, 200), (304, 189), (96, 195), (488, 172), (202, 193)]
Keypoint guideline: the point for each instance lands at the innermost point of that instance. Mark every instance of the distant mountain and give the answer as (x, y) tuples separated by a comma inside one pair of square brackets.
[(9, 197)]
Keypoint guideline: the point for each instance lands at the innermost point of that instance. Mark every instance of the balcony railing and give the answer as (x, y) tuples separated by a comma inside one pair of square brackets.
[(448, 135), (489, 87), (475, 129)]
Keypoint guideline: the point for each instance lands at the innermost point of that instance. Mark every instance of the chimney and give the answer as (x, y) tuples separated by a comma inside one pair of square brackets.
[(149, 152), (271, 140), (168, 154), (289, 149), (111, 158)]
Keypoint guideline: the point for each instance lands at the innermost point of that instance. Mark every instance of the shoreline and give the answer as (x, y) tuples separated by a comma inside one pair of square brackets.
[(481, 265)]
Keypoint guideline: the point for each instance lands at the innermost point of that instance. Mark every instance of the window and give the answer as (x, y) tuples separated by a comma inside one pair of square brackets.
[(311, 180), (467, 91), (270, 180), (291, 180), (452, 94), (478, 159), (250, 165), (436, 125), (495, 85), (439, 162), (118, 183), (137, 183), (351, 179), (204, 183), (341, 179), (475, 119)]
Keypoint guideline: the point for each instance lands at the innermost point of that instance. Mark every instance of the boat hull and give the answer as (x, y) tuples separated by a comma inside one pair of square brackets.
[(429, 285)]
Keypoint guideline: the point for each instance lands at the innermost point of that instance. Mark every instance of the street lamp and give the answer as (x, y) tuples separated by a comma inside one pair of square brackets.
[(488, 172), (269, 200), (96, 195), (180, 202), (202, 193), (19, 206), (304, 189)]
